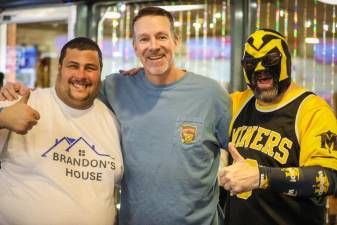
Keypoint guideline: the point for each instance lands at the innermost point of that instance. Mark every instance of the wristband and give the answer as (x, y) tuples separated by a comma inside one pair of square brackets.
[(298, 181), (264, 177)]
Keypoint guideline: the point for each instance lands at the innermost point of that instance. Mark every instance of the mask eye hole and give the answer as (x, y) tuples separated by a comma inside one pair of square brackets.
[(271, 59), (249, 63)]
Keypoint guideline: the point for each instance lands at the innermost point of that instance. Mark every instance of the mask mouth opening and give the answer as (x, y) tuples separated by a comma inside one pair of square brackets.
[(265, 85), (263, 77)]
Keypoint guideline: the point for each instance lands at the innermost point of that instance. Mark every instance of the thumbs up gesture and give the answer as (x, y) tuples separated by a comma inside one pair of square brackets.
[(241, 176), (19, 117)]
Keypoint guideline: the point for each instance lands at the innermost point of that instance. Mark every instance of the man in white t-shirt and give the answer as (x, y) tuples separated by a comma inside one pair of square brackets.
[(63, 171)]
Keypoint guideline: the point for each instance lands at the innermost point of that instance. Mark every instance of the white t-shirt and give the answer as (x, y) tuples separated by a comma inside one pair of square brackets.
[(64, 170)]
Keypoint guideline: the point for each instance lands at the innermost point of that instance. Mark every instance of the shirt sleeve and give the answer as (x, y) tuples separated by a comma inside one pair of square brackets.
[(107, 90), (305, 181), (239, 99), (225, 112), (317, 133), (102, 93)]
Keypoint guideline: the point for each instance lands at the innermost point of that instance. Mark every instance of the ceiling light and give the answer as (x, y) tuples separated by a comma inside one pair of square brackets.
[(196, 25), (112, 15), (177, 24), (281, 13), (174, 8), (307, 23), (218, 15), (311, 40), (122, 7), (331, 2), (115, 23)]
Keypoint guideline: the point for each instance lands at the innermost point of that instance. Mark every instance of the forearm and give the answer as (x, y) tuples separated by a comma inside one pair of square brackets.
[(299, 181)]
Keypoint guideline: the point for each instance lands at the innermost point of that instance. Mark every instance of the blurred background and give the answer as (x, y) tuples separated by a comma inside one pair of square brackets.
[(212, 33)]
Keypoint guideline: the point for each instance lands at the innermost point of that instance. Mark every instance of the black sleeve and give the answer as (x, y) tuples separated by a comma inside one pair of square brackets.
[(299, 181)]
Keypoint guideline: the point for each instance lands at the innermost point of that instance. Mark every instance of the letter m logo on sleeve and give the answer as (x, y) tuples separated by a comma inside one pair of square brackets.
[(328, 141)]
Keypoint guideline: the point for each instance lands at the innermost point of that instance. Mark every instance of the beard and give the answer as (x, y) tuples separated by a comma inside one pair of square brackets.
[(267, 95)]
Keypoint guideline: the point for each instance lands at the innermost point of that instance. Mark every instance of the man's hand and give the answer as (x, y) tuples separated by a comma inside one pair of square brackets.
[(131, 72), (241, 176), (19, 117), (10, 91)]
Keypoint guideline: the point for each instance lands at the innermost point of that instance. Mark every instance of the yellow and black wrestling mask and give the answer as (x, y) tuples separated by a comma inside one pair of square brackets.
[(267, 59)]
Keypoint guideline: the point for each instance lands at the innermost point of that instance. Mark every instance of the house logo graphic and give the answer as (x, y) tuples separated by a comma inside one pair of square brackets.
[(80, 159)]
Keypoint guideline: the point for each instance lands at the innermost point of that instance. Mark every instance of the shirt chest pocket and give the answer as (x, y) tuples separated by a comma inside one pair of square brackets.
[(188, 132)]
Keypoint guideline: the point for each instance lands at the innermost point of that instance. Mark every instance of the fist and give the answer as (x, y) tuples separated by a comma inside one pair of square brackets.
[(241, 176)]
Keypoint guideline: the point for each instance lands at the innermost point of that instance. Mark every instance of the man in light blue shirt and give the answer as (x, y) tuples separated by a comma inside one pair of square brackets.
[(173, 123)]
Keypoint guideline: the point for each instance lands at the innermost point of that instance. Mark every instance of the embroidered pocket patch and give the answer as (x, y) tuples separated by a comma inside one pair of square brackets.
[(188, 134)]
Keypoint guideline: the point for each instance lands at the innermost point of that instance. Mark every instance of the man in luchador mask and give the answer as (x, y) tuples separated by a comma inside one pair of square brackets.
[(283, 142)]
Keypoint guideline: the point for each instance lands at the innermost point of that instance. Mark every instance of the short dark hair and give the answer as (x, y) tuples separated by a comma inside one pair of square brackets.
[(81, 43), (154, 11)]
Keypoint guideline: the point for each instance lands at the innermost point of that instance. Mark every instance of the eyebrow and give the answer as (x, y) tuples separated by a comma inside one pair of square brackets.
[(162, 33), (72, 62), (87, 64), (158, 33)]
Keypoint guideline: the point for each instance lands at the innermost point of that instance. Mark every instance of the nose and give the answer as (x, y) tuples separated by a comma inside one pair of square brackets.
[(154, 44), (81, 72), (259, 66)]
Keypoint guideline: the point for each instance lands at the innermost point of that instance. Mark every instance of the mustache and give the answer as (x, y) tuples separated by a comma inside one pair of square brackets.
[(80, 81), (155, 52), (262, 74)]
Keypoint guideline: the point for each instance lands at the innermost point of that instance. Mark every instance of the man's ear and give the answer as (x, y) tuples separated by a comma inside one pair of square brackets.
[(176, 39), (134, 47), (59, 68), (133, 44)]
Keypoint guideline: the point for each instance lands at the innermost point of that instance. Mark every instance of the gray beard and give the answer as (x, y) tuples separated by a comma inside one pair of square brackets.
[(266, 95)]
